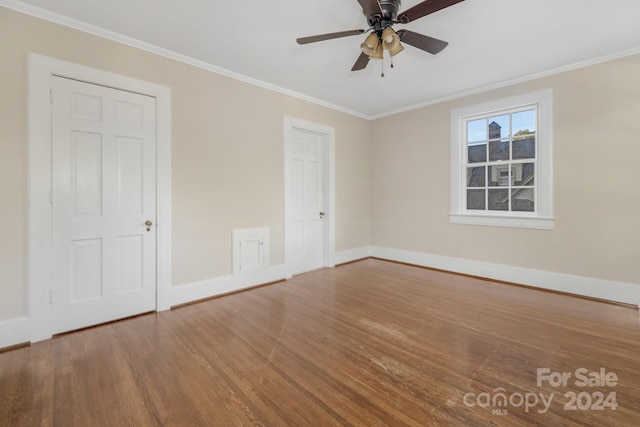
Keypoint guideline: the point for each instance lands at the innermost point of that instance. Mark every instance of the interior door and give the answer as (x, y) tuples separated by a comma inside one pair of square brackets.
[(307, 234), (103, 193)]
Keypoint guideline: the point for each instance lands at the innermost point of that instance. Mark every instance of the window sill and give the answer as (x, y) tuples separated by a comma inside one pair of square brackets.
[(503, 221)]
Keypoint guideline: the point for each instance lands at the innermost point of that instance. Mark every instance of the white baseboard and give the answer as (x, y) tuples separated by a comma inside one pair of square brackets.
[(222, 285), (627, 293), (14, 331), (17, 331), (352, 255)]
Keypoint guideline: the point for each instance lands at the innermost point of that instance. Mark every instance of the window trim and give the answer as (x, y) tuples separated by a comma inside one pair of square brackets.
[(543, 218)]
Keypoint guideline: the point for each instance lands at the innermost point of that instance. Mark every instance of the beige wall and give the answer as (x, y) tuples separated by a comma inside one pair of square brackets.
[(392, 174), (228, 139), (596, 155)]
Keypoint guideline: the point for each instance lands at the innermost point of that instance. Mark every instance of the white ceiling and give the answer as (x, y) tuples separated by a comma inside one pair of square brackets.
[(490, 42)]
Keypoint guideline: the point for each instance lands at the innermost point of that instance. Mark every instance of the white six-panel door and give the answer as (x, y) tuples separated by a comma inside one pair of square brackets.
[(306, 197), (103, 192)]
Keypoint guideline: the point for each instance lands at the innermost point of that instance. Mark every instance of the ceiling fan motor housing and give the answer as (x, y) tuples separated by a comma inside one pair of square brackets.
[(390, 10)]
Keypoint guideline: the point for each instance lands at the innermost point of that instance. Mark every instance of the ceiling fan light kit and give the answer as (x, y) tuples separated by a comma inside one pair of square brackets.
[(378, 54), (370, 44), (390, 39), (381, 16), (396, 50)]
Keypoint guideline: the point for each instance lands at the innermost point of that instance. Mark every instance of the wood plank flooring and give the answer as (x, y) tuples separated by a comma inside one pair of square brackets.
[(371, 343)]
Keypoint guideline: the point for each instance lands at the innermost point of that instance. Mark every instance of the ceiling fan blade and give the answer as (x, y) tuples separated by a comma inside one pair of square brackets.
[(426, 43), (370, 7), (321, 37), (425, 8), (361, 62)]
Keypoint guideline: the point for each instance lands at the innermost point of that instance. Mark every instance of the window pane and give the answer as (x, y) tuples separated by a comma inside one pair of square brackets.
[(522, 200), (499, 150), (477, 131), (523, 174), (475, 199), (499, 200), (524, 148), (499, 176), (477, 153), (475, 177), (524, 122), (499, 127)]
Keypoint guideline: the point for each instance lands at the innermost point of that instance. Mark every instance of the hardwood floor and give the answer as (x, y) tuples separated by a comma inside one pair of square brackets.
[(370, 343)]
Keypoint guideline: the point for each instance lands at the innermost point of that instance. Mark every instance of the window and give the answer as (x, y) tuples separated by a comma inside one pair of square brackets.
[(501, 163)]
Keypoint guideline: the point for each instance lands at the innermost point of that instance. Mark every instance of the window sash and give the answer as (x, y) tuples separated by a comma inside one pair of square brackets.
[(503, 165)]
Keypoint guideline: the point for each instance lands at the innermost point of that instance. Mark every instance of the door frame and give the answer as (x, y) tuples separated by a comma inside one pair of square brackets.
[(327, 133), (41, 70)]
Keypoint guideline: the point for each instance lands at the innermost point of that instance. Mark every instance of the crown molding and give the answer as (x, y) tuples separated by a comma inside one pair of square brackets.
[(138, 44)]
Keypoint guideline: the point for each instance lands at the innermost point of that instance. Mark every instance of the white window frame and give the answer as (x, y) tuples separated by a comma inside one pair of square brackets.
[(542, 218)]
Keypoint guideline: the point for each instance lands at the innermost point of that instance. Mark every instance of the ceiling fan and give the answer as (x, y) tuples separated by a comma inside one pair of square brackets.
[(381, 16)]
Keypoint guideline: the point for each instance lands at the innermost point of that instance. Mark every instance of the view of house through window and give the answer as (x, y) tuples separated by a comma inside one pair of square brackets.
[(501, 161)]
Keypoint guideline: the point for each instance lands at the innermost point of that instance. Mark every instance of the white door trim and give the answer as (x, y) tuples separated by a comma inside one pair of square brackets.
[(39, 138), (328, 185)]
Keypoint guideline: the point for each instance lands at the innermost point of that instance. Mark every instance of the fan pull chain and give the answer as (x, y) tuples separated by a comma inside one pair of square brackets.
[(382, 67)]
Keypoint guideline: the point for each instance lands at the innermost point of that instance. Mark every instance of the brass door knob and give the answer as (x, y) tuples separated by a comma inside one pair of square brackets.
[(148, 223)]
